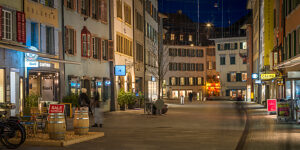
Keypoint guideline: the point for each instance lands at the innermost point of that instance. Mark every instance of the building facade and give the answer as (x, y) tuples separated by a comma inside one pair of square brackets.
[(12, 48), (138, 45), (87, 41), (232, 65), (151, 49), (123, 35)]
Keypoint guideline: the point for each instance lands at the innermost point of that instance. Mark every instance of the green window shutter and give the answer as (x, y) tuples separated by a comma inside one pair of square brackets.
[(228, 77)]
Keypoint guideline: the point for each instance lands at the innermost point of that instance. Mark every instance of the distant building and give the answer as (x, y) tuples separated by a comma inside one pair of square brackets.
[(189, 58), (231, 59)]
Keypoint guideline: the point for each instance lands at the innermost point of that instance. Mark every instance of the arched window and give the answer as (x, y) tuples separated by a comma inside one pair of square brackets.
[(85, 42)]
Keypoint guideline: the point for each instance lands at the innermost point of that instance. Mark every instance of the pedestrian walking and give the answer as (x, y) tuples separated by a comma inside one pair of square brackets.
[(98, 114), (182, 100), (84, 100), (191, 96)]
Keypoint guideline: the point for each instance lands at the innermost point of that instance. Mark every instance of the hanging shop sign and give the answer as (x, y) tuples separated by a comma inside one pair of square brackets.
[(107, 83), (31, 59), (254, 76), (56, 108), (120, 70), (153, 78), (258, 81), (267, 76), (272, 105), (99, 83)]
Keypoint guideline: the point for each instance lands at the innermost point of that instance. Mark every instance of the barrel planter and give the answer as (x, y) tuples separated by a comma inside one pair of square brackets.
[(81, 121), (56, 126)]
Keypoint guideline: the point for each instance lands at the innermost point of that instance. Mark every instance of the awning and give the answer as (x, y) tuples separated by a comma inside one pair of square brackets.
[(290, 63), (47, 57)]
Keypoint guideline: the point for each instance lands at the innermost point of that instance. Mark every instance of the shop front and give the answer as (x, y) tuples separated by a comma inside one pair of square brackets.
[(293, 85), (213, 89)]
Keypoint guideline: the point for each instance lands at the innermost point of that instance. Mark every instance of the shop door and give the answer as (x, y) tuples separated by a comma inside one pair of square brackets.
[(86, 84), (14, 92)]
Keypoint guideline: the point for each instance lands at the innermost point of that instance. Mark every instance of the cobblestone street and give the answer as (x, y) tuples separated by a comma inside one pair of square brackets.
[(200, 125)]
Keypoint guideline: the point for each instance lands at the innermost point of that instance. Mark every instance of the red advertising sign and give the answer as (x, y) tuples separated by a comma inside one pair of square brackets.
[(272, 105), (55, 108)]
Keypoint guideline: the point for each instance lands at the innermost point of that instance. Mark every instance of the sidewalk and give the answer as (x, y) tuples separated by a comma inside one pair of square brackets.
[(265, 133)]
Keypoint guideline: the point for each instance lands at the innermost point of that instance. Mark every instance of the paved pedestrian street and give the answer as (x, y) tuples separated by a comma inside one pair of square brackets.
[(212, 125)]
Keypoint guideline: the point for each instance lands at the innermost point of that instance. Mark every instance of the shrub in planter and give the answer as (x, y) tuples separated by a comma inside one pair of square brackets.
[(73, 99), (131, 100), (122, 99)]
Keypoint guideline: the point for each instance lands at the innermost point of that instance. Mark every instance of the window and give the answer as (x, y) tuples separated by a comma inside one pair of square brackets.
[(235, 45), (193, 67), (6, 24), (199, 82), (96, 9), (124, 45), (2, 85), (173, 81), (184, 53), (172, 36), (210, 65), (191, 81), (182, 81), (188, 67), (233, 77), (181, 37), (244, 77), (210, 51), (222, 60), (71, 4), (96, 48), (85, 5), (227, 46), (190, 38), (104, 49), (179, 52), (183, 67), (193, 53), (199, 53), (70, 40), (119, 9), (127, 13), (139, 21), (50, 40), (34, 34), (139, 52), (238, 77), (201, 67), (85, 42), (219, 46), (49, 3), (232, 59)]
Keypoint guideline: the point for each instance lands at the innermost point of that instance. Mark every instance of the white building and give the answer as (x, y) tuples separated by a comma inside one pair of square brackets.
[(232, 65), (123, 45)]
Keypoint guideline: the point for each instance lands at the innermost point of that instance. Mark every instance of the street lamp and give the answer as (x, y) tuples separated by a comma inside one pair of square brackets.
[(208, 25)]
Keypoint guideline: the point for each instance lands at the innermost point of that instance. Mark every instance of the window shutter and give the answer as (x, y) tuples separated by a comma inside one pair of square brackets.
[(186, 81), (14, 25), (90, 8), (110, 50), (66, 40), (75, 42), (55, 5), (19, 26), (170, 81), (214, 65), (0, 22), (99, 48), (79, 6), (74, 4), (207, 65), (228, 77), (99, 9), (102, 10), (202, 80), (23, 30)]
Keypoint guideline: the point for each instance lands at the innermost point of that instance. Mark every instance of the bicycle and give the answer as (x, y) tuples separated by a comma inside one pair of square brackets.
[(12, 132)]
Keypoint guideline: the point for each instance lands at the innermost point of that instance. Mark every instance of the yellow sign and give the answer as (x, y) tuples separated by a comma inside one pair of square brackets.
[(267, 76), (269, 30)]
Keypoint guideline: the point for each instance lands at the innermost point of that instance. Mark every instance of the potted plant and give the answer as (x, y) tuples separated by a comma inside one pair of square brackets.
[(131, 100), (122, 99)]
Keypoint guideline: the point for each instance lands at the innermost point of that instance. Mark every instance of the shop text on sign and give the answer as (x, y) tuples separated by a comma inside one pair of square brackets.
[(272, 105), (267, 76), (55, 108)]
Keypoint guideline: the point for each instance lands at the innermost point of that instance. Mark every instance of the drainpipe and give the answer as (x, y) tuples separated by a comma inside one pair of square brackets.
[(62, 74), (111, 64)]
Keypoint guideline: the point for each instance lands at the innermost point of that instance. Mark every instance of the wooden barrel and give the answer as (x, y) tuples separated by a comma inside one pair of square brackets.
[(81, 121), (56, 126)]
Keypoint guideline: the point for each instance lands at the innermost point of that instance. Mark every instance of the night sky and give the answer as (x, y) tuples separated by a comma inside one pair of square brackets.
[(232, 10)]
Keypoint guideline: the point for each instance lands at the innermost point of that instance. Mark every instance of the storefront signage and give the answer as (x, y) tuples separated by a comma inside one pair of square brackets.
[(46, 65), (258, 81), (99, 83), (267, 76), (153, 78), (107, 83), (283, 109), (56, 108), (120, 70), (254, 75), (272, 105), (294, 74), (32, 64)]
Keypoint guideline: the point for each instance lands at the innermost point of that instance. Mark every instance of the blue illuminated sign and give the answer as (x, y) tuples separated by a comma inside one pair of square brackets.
[(78, 85), (107, 83), (254, 76), (99, 83), (120, 70), (73, 84)]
